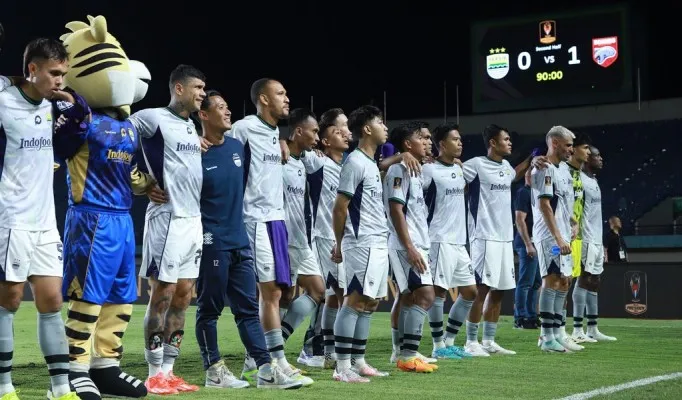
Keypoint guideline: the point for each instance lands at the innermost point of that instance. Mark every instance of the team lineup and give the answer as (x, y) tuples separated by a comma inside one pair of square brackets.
[(228, 213)]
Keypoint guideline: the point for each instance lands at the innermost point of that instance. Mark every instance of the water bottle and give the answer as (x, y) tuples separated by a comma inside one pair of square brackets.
[(556, 250)]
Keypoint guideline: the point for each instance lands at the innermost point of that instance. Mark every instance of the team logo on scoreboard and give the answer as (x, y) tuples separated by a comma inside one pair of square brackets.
[(497, 63), (605, 50), (635, 292), (548, 32)]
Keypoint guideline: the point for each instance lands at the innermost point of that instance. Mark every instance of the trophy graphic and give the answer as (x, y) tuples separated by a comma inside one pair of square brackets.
[(547, 32)]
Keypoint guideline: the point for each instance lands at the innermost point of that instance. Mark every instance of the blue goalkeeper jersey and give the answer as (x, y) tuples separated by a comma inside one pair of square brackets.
[(101, 162)]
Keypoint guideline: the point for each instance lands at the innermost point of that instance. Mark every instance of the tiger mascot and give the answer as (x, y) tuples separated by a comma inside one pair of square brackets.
[(99, 243)]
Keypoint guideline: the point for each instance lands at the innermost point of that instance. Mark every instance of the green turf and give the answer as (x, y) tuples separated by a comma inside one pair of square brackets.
[(644, 348)]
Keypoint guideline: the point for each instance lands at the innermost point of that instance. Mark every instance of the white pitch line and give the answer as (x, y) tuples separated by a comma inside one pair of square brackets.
[(623, 386)]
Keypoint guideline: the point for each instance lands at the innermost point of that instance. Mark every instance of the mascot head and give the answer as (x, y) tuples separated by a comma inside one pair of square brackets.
[(100, 70)]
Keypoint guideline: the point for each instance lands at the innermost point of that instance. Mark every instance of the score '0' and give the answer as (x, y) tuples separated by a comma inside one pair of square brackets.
[(524, 58)]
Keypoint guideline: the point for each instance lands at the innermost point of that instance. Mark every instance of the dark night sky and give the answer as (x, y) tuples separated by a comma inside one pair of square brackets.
[(342, 53)]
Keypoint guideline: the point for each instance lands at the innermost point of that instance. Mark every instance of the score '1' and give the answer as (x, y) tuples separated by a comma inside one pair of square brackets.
[(524, 58)]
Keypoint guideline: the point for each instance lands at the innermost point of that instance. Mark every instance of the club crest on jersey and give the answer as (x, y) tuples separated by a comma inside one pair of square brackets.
[(237, 160), (123, 132), (38, 120), (605, 51), (397, 182)]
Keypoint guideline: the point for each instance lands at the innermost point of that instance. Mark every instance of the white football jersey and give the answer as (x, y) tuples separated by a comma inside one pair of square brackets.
[(263, 200), (592, 227), (402, 188), (323, 183), (26, 162), (366, 220), (444, 186), (490, 199), (294, 202), (172, 154), (555, 183), (4, 83)]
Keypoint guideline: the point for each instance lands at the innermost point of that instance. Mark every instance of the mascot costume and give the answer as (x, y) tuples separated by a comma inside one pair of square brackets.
[(100, 282)]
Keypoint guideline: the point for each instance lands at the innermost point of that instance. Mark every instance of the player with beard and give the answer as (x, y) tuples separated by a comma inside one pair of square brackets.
[(585, 303), (173, 233), (553, 198), (264, 213)]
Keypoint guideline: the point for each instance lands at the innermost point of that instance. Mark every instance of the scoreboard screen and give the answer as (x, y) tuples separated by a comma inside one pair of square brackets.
[(552, 61)]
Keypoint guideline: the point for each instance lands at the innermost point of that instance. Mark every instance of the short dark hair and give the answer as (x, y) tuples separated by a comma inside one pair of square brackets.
[(257, 89), (400, 134), (360, 117), (328, 118), (183, 72), (44, 49), (422, 124), (206, 102), (491, 131), (582, 139), (299, 116), (441, 132)]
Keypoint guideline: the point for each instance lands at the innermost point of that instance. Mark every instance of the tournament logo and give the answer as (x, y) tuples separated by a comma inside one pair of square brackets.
[(497, 63), (547, 31), (237, 160), (605, 50), (131, 134), (635, 292)]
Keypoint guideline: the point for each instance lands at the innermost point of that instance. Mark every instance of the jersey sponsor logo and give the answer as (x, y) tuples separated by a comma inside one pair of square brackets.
[(454, 192), (373, 193), (499, 187), (37, 143), (190, 148), (272, 158), (119, 156), (236, 159), (297, 191), (397, 182)]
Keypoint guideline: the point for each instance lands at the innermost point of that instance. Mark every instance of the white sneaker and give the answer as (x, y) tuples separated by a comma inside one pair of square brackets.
[(494, 348), (219, 376), (349, 376), (295, 374), (426, 359), (475, 349), (579, 336), (569, 344), (276, 379), (600, 337), (395, 356), (310, 361)]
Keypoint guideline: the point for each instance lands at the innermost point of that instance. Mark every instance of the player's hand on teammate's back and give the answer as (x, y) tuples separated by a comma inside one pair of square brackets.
[(459, 162), (205, 144), (285, 151), (564, 248), (428, 160), (336, 254), (415, 259), (157, 195), (540, 162), (412, 164), (318, 152)]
